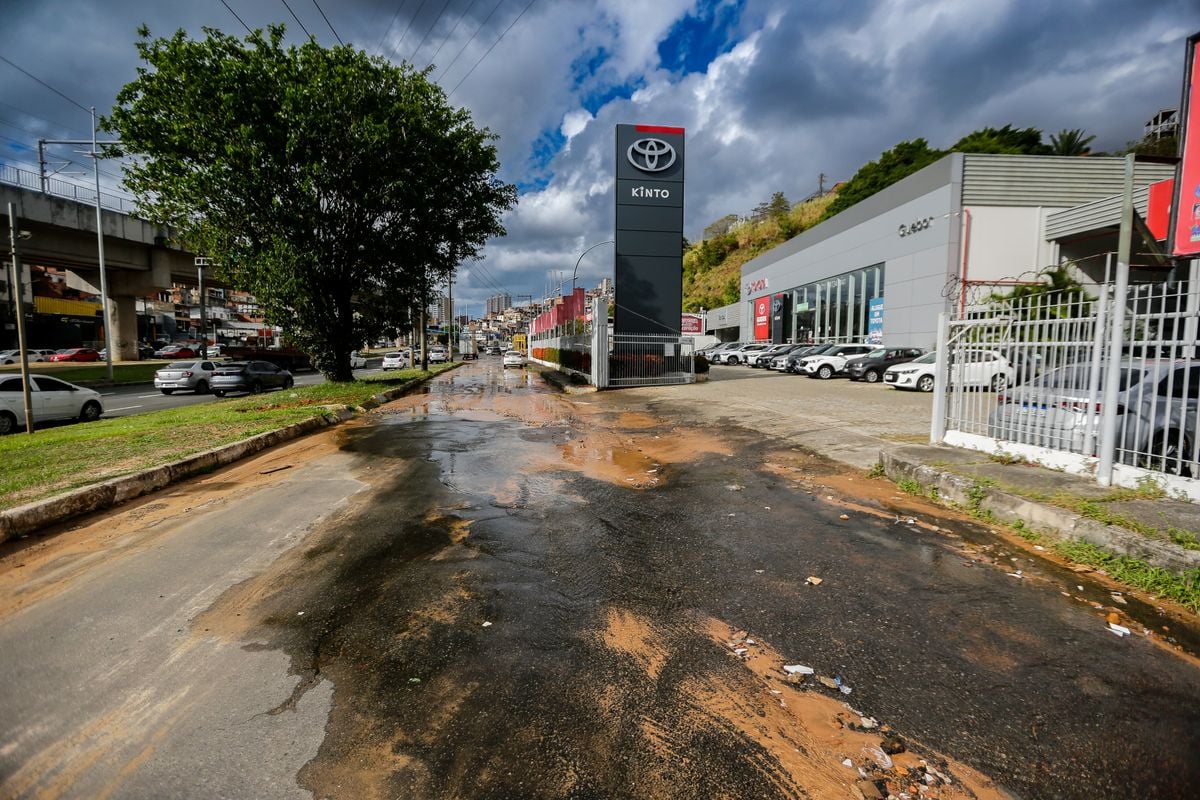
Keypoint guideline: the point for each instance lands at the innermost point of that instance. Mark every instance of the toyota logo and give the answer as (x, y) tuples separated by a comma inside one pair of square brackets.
[(651, 155)]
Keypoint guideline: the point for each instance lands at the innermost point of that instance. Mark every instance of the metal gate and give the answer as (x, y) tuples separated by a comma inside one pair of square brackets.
[(647, 359), (1078, 382)]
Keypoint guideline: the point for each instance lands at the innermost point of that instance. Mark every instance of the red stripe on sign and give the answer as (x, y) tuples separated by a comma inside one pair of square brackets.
[(658, 129)]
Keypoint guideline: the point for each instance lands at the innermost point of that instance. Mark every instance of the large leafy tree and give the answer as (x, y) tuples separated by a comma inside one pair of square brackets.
[(1008, 140), (336, 187)]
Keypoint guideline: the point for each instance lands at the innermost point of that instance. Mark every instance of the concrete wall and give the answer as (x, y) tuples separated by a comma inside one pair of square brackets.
[(1006, 242)]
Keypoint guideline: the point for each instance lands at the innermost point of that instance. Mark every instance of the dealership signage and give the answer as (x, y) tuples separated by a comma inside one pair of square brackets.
[(875, 321), (762, 318), (692, 324), (649, 231), (1185, 211)]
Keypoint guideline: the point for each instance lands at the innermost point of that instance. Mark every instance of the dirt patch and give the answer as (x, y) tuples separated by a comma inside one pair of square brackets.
[(632, 635), (812, 735)]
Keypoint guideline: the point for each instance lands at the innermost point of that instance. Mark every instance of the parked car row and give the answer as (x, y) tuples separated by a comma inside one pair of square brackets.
[(899, 367)]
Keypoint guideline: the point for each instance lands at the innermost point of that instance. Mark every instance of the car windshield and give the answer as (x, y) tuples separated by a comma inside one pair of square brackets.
[(234, 366), (181, 365), (394, 355), (928, 358)]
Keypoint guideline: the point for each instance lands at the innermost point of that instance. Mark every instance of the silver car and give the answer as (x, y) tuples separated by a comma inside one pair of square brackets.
[(186, 376), (394, 360), (1157, 402)]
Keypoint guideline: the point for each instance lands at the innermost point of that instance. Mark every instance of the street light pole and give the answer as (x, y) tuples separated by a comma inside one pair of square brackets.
[(20, 290), (108, 339), (581, 255)]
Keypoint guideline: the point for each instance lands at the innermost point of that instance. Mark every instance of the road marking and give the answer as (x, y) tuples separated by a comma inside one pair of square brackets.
[(122, 408), (146, 396)]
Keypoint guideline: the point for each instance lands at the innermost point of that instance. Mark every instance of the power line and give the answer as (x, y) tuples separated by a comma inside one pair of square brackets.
[(235, 16), (298, 22), (388, 29), (327, 22), (454, 60), (489, 50), (461, 17), (43, 83), (407, 27), (49, 122), (420, 44)]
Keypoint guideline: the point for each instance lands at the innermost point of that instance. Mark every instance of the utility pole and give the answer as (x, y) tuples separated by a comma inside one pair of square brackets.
[(450, 303), (821, 183), (94, 153), (201, 263), (16, 284)]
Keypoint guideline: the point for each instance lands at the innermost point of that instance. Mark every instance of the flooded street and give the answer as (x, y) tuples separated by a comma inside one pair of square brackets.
[(488, 590)]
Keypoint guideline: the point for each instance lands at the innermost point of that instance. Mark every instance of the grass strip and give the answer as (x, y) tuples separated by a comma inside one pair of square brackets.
[(1183, 588), (55, 460)]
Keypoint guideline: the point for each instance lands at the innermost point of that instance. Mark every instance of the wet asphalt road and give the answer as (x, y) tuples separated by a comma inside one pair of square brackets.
[(477, 512)]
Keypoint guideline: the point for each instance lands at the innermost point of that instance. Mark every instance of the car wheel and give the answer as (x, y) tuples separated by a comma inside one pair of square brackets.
[(825, 372), (256, 387), (8, 423), (90, 412), (1167, 454), (201, 387), (168, 391), (999, 382), (288, 383), (871, 376), (925, 383), (731, 361), (218, 393)]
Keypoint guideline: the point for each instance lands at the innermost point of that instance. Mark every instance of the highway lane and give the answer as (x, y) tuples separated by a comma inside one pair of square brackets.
[(123, 401)]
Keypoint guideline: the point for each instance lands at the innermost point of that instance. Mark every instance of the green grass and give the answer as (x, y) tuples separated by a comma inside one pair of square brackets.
[(55, 460), (132, 372), (1184, 588)]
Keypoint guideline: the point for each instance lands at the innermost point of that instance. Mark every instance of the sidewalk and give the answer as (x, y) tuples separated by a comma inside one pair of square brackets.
[(864, 426)]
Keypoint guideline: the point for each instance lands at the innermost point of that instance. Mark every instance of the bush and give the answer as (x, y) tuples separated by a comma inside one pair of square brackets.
[(700, 364)]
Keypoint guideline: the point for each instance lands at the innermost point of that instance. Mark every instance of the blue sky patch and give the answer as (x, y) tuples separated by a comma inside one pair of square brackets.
[(694, 41)]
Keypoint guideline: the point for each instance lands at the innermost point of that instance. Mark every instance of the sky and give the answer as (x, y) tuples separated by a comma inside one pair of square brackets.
[(773, 94)]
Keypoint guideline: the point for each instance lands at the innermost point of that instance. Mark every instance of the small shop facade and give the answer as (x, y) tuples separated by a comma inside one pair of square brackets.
[(884, 269)]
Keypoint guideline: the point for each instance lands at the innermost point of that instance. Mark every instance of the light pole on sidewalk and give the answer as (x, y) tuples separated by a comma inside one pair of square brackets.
[(575, 271)]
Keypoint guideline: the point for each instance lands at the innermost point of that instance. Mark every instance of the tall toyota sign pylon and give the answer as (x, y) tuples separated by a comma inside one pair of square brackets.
[(649, 235)]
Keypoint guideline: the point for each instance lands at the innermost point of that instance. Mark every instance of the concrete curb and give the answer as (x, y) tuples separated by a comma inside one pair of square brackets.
[(560, 380), (26, 519), (1049, 520)]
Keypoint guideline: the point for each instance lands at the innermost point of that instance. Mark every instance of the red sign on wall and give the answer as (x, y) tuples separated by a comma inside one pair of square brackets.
[(762, 318), (1158, 208), (692, 324), (1185, 235)]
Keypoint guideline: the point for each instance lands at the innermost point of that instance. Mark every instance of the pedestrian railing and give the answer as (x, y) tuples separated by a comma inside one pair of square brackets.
[(1070, 380), (27, 179)]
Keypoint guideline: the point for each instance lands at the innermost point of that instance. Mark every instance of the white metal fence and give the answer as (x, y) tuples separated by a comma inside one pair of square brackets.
[(15, 176), (648, 359), (1075, 381)]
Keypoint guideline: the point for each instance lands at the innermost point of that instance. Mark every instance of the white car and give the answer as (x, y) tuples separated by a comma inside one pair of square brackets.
[(51, 398), (513, 358), (394, 360), (14, 356), (357, 361), (972, 367), (739, 355), (833, 362), (438, 355)]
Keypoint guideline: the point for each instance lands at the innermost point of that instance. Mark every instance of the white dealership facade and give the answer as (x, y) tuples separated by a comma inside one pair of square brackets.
[(964, 226)]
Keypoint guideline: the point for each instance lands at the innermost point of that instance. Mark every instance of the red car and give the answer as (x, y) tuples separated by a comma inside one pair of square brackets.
[(77, 354)]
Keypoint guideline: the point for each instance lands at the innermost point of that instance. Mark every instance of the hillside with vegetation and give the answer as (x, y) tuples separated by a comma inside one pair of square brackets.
[(712, 267)]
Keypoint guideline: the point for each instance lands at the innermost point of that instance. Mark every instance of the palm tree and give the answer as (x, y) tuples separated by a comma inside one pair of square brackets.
[(1070, 143)]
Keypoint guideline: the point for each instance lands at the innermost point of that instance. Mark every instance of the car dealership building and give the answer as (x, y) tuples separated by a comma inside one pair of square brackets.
[(939, 240)]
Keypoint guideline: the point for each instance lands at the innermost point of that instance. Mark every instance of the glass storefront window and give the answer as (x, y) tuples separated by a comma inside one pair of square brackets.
[(836, 309)]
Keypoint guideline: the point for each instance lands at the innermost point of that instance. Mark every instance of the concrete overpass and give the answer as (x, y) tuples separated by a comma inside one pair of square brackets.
[(138, 261)]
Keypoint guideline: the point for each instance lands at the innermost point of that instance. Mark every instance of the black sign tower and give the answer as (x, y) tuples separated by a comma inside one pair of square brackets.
[(649, 237)]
